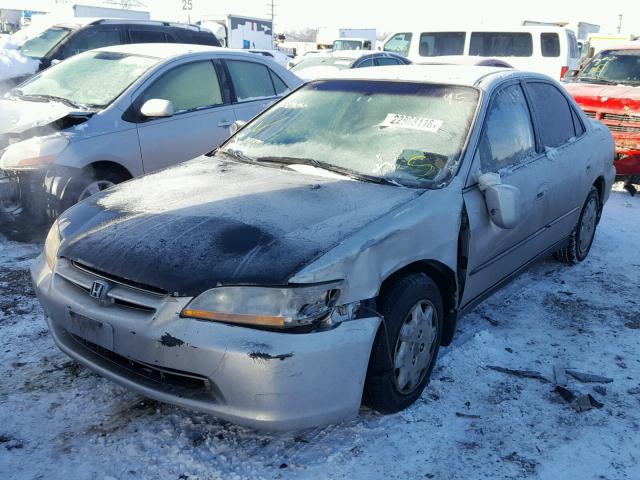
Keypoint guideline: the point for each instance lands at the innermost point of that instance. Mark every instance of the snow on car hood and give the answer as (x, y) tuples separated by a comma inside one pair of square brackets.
[(15, 65), (210, 221), (17, 116)]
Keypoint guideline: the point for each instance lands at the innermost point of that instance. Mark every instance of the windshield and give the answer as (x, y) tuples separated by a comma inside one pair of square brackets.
[(38, 47), (92, 79), (347, 45), (316, 61), (404, 133), (613, 66)]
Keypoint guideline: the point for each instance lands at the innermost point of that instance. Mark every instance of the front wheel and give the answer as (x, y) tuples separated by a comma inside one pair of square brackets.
[(581, 238), (406, 345)]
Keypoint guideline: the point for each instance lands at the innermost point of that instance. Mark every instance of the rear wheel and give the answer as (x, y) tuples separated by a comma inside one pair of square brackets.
[(406, 345), (581, 238)]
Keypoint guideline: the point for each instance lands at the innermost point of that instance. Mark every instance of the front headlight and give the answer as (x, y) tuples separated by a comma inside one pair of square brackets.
[(34, 152), (52, 245), (266, 306)]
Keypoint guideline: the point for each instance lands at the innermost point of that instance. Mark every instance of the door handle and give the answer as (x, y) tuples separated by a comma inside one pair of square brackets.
[(224, 123), (589, 167), (542, 191)]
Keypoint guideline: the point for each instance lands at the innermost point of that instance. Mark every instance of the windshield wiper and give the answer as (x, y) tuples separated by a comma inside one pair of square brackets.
[(327, 166), (237, 154), (50, 98), (596, 80)]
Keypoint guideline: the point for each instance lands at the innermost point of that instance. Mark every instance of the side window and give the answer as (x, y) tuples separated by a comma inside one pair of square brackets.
[(147, 36), (578, 128), (550, 44), (250, 80), (507, 138), (365, 63), (399, 43), (188, 87), (553, 114), (441, 43), (501, 44), (382, 61), (89, 39), (280, 86)]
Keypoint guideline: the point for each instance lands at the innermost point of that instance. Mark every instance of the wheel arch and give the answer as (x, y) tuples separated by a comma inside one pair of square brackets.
[(444, 277)]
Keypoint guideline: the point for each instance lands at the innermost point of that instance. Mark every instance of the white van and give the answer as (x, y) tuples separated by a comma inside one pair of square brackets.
[(544, 49)]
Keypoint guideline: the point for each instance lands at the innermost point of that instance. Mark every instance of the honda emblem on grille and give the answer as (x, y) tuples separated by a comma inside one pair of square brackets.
[(98, 290)]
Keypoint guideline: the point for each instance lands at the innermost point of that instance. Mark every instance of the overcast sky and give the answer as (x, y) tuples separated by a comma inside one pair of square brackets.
[(400, 14)]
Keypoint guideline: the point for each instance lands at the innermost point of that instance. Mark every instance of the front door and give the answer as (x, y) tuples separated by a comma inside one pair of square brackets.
[(507, 146), (201, 120)]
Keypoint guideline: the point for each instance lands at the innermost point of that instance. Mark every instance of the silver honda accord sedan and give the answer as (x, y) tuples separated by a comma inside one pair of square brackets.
[(319, 258)]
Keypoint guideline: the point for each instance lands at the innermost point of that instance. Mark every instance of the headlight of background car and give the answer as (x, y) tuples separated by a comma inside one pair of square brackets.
[(34, 152), (266, 306), (52, 245)]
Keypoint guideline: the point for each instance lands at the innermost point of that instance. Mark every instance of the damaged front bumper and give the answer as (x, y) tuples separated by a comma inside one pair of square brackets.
[(261, 379)]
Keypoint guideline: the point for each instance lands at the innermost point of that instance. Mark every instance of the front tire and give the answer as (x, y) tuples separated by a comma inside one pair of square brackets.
[(406, 346), (581, 237)]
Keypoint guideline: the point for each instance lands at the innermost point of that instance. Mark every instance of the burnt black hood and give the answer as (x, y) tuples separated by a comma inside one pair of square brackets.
[(210, 222)]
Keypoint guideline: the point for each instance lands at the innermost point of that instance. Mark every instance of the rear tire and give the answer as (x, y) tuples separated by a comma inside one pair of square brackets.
[(406, 346), (581, 237)]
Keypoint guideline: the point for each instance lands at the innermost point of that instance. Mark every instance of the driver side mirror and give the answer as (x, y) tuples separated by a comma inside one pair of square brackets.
[(503, 201), (157, 108), (235, 126)]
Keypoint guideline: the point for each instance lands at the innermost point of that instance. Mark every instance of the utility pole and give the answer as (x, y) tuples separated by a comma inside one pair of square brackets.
[(619, 23), (272, 13)]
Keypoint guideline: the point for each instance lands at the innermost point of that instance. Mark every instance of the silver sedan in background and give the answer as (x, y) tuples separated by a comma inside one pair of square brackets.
[(114, 113)]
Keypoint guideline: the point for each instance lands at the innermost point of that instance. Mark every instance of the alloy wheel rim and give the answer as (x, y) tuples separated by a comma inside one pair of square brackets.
[(588, 225), (94, 187), (415, 346)]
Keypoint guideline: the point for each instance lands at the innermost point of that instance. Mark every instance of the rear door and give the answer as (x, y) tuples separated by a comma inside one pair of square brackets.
[(563, 139), (203, 114), (254, 85), (507, 146)]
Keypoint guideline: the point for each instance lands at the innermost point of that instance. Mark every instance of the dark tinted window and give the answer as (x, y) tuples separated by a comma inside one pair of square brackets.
[(368, 62), (433, 44), (88, 39), (189, 87), (185, 35), (507, 138), (550, 44), (399, 43), (251, 81), (382, 61), (501, 44), (279, 85), (147, 36), (553, 114)]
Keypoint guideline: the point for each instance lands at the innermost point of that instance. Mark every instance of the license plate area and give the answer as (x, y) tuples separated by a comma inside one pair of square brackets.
[(93, 331)]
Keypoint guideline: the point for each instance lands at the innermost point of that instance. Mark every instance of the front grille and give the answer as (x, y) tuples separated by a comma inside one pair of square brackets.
[(590, 113), (169, 380), (121, 281), (621, 118), (623, 129)]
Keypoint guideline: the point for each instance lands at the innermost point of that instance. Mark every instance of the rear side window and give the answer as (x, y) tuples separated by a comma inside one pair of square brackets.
[(382, 61), (399, 43), (578, 128), (189, 87), (550, 44), (250, 80), (434, 44), (501, 44), (185, 35), (365, 63), (553, 113), (280, 86), (147, 36), (507, 138)]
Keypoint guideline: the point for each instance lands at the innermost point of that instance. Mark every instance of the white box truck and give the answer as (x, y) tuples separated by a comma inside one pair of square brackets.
[(238, 31)]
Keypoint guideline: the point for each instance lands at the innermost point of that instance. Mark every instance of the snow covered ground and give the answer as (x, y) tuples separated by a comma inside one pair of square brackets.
[(59, 421)]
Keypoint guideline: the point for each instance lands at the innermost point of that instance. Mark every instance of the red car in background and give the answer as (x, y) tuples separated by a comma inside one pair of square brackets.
[(608, 89)]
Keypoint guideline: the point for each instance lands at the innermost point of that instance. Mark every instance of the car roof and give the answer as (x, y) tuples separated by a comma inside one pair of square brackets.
[(446, 74), (84, 21), (166, 50)]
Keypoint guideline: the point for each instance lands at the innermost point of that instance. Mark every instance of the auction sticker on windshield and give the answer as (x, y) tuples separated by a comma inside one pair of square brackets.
[(414, 123)]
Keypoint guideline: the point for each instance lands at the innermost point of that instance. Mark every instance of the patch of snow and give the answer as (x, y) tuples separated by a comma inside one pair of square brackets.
[(59, 420), (14, 65)]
